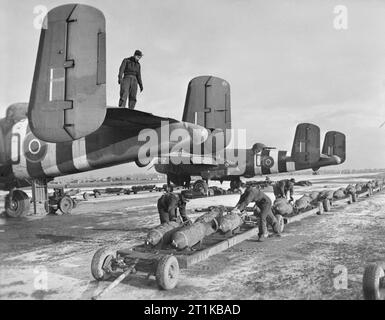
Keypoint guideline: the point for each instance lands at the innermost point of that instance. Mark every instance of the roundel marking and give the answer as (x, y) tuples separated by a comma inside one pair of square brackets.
[(34, 146), (35, 150), (268, 162)]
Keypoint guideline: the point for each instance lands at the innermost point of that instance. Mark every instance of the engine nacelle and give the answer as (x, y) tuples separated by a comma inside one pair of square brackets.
[(258, 147)]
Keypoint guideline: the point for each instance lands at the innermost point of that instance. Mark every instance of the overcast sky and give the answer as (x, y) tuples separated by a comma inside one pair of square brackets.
[(285, 61)]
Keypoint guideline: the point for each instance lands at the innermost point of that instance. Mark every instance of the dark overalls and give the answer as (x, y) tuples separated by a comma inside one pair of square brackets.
[(263, 202), (129, 78), (282, 188), (168, 205)]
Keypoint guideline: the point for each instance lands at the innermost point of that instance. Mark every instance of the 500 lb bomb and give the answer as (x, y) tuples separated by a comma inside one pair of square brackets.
[(282, 206), (303, 202), (339, 194), (326, 194), (162, 233), (230, 222), (202, 227)]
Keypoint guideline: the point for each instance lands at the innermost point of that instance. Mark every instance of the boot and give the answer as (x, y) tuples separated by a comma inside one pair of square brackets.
[(263, 236)]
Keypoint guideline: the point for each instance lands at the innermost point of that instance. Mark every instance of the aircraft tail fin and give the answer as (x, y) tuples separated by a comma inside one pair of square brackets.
[(335, 145), (208, 104), (306, 146), (68, 96)]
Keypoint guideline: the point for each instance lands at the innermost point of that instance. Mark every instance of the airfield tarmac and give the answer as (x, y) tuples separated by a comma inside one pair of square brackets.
[(298, 265)]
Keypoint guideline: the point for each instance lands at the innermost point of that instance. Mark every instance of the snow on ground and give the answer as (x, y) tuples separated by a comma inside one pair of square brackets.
[(48, 257)]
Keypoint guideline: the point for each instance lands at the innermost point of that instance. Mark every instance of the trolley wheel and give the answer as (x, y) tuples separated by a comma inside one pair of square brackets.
[(278, 228), (320, 208), (101, 264), (354, 197), (167, 272), (17, 206), (66, 205), (326, 205), (373, 282), (86, 196)]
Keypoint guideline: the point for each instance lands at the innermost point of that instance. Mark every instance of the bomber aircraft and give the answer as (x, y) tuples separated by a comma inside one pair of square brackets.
[(66, 127), (232, 164)]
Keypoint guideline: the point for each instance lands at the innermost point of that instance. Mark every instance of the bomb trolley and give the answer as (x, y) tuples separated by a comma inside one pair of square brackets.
[(163, 262)]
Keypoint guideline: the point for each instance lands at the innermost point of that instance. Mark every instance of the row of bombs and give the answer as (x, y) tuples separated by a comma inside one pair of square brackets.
[(182, 236), (283, 207)]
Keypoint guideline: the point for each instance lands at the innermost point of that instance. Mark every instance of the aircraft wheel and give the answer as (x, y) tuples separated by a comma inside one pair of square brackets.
[(326, 205), (86, 196), (66, 205), (17, 206), (373, 282), (167, 272), (101, 264), (200, 184)]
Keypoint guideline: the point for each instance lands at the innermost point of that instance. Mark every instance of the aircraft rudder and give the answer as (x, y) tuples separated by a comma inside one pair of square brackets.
[(335, 145), (69, 82)]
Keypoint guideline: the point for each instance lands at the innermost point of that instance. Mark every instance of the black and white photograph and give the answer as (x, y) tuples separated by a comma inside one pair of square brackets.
[(179, 150)]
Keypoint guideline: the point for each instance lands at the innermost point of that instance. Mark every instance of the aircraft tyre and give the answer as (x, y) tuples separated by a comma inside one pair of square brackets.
[(167, 272), (373, 282), (18, 206)]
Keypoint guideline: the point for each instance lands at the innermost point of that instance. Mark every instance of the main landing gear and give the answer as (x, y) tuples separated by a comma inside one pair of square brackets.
[(18, 203)]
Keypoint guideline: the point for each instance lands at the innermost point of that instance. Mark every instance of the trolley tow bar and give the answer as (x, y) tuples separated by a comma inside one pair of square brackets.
[(116, 281)]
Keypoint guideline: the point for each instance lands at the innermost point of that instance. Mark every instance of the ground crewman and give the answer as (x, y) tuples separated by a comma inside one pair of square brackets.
[(129, 78), (262, 208), (168, 205), (283, 187)]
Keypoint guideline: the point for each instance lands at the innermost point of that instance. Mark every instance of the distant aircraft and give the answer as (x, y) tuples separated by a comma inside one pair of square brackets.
[(259, 160), (69, 127)]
